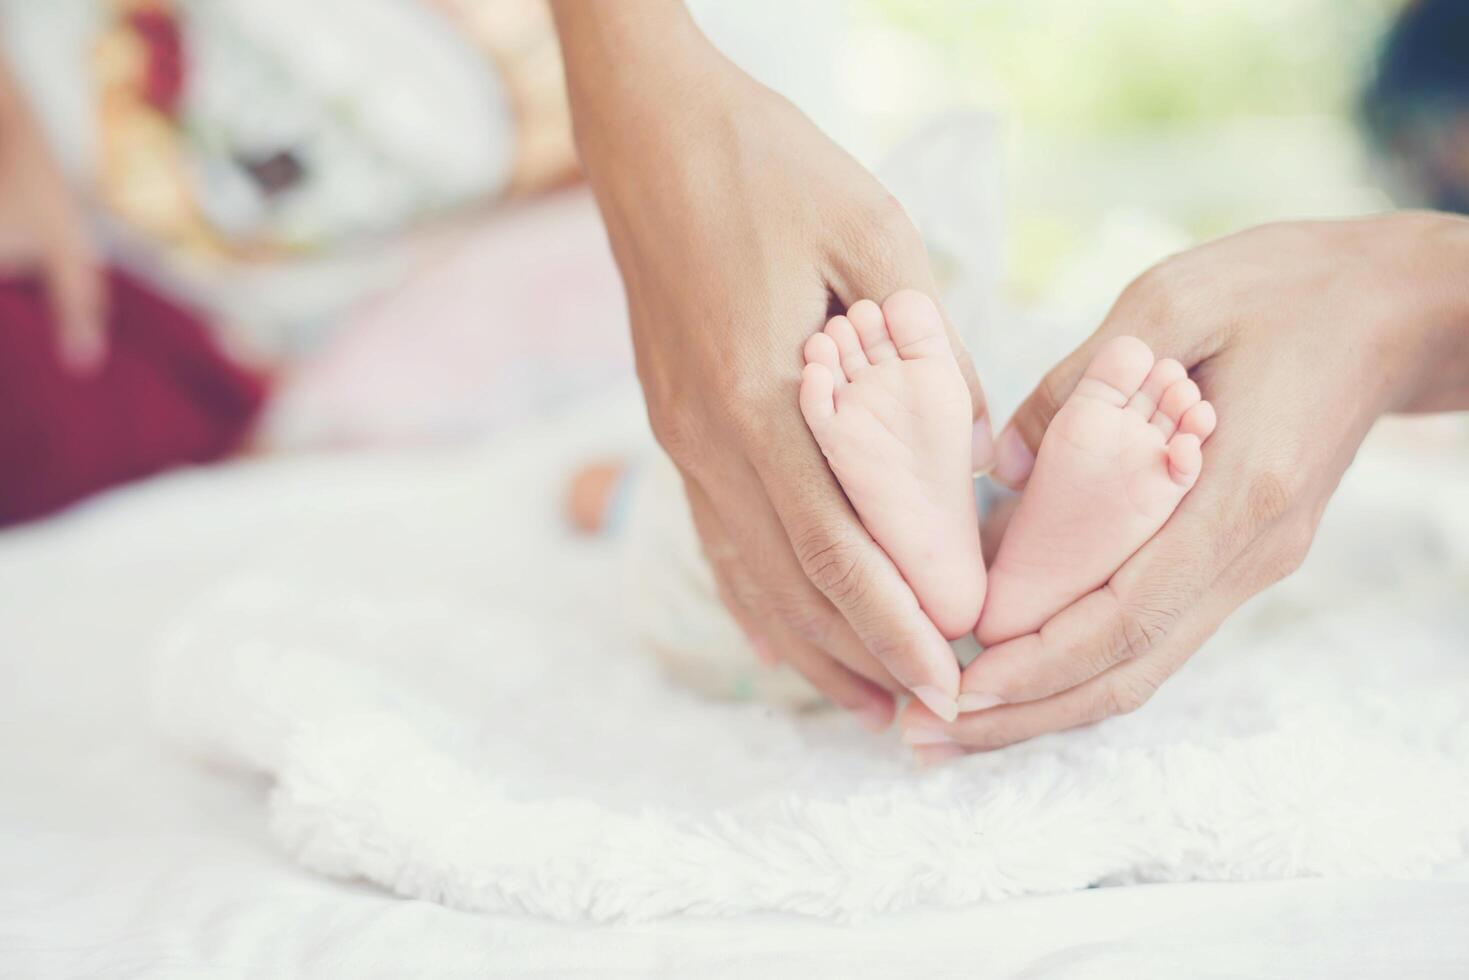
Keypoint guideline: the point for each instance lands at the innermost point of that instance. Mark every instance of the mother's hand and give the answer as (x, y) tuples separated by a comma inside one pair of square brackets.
[(739, 228), (1301, 335)]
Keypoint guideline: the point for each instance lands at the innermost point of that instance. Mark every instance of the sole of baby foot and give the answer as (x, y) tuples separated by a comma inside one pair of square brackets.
[(882, 394), (1112, 467)]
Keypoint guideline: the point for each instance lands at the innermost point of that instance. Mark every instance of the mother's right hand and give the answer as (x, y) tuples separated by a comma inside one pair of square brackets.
[(739, 228), (1301, 335)]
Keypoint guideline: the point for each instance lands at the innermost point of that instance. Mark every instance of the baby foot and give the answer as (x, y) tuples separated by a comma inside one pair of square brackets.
[(1114, 463), (884, 398)]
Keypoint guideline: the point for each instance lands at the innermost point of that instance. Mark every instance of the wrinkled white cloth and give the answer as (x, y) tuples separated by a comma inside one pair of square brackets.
[(496, 757)]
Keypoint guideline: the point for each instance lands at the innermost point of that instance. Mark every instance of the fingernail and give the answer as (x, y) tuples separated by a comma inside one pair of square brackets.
[(1013, 459), (982, 447), (926, 736), (929, 756), (937, 701), (763, 652), (978, 701), (873, 717)]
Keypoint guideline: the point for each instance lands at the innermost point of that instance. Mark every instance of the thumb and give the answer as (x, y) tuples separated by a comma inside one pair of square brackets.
[(1017, 445), (77, 293), (982, 442)]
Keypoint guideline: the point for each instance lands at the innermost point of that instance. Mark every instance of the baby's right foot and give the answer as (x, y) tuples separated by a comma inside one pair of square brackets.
[(1114, 464), (883, 396)]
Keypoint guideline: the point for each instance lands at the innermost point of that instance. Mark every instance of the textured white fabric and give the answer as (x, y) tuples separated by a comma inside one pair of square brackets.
[(123, 856), (493, 758)]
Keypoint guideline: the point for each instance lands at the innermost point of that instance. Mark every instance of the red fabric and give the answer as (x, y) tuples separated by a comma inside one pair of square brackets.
[(165, 396)]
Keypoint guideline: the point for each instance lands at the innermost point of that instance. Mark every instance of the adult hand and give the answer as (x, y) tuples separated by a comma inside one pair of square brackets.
[(739, 228), (41, 229), (1301, 335)]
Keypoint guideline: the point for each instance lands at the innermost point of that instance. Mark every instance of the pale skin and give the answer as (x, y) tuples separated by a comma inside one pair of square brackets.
[(42, 231), (1301, 335), (884, 400), (740, 230)]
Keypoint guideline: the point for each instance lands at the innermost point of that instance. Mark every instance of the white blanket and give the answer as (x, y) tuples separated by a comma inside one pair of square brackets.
[(120, 855), (479, 733)]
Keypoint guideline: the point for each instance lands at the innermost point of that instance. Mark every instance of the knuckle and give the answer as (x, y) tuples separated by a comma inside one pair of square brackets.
[(1123, 695), (880, 236), (1154, 292), (1271, 494), (1293, 544), (895, 229), (1138, 630), (833, 566)]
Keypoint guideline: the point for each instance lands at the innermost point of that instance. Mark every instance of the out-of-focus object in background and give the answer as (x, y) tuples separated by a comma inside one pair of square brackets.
[(249, 129), (166, 395), (1417, 105)]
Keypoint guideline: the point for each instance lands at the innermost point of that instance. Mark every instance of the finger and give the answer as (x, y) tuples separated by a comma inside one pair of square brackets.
[(1124, 619), (77, 293), (781, 593), (929, 756), (723, 563), (1118, 691), (871, 705), (834, 552)]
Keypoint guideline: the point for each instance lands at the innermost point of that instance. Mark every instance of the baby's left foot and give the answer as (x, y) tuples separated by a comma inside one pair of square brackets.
[(883, 396)]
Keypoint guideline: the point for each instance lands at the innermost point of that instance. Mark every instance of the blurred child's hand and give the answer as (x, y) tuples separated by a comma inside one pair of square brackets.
[(42, 230)]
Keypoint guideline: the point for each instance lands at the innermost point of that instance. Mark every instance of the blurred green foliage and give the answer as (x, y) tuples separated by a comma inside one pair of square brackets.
[(1107, 67)]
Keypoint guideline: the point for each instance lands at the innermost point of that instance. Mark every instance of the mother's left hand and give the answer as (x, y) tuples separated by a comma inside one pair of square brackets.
[(1301, 335)]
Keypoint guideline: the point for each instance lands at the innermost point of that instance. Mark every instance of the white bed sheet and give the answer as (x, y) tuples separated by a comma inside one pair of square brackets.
[(118, 857)]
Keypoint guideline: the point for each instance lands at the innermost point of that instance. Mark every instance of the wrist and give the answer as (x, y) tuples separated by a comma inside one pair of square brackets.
[(1433, 255), (624, 60)]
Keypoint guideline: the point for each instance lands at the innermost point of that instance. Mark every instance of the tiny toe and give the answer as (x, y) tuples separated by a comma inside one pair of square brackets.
[(1199, 421), (867, 317), (849, 348), (821, 349), (915, 325), (818, 390), (1163, 374), (1178, 399), (1185, 459), (1119, 368)]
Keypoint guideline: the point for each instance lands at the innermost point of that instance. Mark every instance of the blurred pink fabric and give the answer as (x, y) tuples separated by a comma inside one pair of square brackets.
[(523, 315)]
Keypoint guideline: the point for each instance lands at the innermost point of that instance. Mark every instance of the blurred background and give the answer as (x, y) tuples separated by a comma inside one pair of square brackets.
[(364, 222)]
